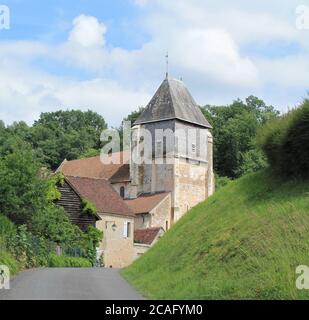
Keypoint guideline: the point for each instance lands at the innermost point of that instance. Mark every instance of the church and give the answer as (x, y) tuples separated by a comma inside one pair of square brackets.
[(138, 201)]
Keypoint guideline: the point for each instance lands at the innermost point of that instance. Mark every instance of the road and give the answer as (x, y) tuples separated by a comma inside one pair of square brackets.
[(70, 284)]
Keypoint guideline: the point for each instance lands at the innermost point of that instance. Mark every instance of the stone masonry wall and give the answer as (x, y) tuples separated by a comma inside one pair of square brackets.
[(117, 249)]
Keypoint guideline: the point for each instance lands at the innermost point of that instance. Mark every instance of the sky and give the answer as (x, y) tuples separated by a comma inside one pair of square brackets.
[(109, 56)]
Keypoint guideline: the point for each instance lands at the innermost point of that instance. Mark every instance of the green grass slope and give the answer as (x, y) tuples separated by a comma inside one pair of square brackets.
[(242, 243)]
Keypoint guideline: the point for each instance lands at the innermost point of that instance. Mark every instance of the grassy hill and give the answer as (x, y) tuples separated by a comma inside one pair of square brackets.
[(242, 243)]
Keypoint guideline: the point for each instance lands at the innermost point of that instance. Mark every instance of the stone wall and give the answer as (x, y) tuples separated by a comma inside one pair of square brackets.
[(117, 249), (139, 250), (142, 221), (126, 186), (161, 214), (190, 185)]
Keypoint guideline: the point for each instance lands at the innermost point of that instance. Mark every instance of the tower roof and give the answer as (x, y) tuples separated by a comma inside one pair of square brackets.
[(173, 101)]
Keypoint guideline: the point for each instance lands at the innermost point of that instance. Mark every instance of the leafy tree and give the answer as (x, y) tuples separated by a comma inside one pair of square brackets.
[(22, 191), (234, 130), (134, 115), (53, 224), (67, 135)]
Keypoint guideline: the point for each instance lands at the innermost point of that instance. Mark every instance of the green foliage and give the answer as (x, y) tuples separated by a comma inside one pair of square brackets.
[(221, 182), (22, 190), (67, 262), (89, 153), (253, 161), (134, 115), (53, 224), (7, 229), (244, 242), (234, 132), (7, 259), (285, 142), (53, 183), (92, 238), (30, 250), (89, 207), (66, 135)]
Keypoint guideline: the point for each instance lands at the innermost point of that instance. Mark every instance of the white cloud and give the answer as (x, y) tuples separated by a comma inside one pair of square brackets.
[(205, 40), (26, 92), (87, 31)]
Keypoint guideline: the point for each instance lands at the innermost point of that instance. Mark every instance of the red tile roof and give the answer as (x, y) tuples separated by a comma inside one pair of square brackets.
[(101, 194), (146, 236), (145, 203), (94, 168)]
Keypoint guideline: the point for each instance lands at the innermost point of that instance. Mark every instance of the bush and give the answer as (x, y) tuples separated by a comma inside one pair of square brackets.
[(8, 260), (7, 230), (53, 224), (67, 262), (221, 182), (92, 238), (285, 141)]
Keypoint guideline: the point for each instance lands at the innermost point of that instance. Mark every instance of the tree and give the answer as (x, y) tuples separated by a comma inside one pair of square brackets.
[(67, 135), (22, 191), (234, 130), (53, 224)]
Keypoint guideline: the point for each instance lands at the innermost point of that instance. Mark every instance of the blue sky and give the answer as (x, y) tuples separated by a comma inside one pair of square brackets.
[(109, 55)]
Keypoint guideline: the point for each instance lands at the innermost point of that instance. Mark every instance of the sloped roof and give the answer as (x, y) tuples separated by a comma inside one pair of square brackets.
[(94, 168), (100, 193), (173, 101), (146, 236), (145, 203)]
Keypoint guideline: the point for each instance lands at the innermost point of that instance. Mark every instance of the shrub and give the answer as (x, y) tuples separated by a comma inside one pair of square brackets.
[(285, 142), (221, 181), (53, 224), (7, 230), (92, 238), (67, 262), (88, 207), (8, 260)]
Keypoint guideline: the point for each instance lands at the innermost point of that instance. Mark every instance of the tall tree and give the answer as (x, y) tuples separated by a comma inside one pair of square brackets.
[(234, 130), (67, 135)]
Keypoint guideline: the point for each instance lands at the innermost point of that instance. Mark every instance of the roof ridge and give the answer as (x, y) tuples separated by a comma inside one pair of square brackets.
[(90, 178)]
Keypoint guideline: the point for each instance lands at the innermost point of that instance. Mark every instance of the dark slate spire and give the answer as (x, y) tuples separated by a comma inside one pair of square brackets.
[(173, 101)]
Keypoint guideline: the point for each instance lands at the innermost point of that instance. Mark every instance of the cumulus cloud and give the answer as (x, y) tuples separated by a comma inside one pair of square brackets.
[(206, 43), (87, 31), (26, 92)]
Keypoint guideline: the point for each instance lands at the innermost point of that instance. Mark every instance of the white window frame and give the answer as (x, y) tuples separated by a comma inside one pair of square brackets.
[(126, 229)]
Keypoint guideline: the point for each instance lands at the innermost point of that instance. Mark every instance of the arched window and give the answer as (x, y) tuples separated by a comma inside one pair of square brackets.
[(122, 192)]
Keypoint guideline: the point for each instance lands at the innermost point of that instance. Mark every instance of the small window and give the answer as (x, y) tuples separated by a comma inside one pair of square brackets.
[(122, 192), (127, 229), (166, 225)]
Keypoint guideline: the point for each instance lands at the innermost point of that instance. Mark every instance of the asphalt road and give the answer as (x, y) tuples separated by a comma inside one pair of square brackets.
[(70, 284)]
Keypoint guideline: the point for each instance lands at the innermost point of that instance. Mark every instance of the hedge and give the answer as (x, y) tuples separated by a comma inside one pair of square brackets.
[(285, 141), (67, 262)]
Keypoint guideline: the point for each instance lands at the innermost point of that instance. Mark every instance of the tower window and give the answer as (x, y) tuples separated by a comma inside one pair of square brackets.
[(193, 147), (122, 192)]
